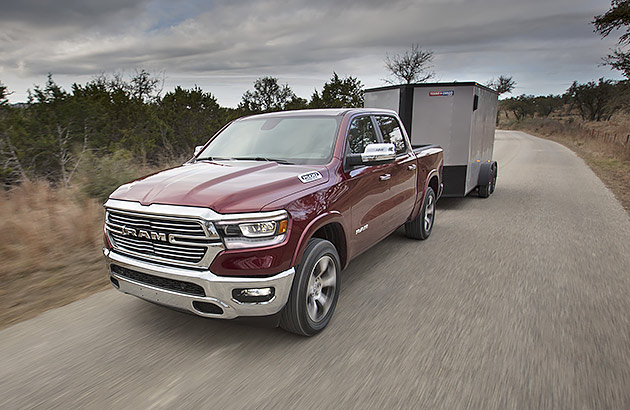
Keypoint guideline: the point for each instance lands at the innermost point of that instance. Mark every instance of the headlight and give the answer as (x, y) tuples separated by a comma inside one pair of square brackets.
[(253, 230), (258, 229)]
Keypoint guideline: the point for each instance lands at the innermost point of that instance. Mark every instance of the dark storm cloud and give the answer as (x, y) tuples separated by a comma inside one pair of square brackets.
[(84, 13)]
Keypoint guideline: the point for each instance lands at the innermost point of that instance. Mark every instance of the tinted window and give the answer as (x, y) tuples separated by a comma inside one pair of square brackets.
[(392, 133), (360, 134)]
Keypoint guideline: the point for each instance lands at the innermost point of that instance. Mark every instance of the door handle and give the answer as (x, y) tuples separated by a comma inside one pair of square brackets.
[(411, 167), (385, 177)]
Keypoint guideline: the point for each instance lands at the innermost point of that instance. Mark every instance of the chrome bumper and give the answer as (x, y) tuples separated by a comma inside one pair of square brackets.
[(218, 289)]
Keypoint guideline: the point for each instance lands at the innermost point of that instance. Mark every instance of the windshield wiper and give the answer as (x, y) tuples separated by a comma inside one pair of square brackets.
[(279, 161), (213, 159)]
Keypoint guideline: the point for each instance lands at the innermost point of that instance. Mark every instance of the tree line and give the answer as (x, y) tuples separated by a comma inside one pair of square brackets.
[(593, 101), (58, 133)]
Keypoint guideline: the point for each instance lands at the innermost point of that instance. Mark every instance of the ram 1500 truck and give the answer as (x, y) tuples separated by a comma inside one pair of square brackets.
[(265, 216)]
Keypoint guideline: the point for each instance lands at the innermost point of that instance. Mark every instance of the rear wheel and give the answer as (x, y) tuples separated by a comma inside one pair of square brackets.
[(487, 189), (420, 228), (315, 290)]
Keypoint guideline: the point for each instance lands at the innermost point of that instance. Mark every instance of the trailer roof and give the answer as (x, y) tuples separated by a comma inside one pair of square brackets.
[(454, 84)]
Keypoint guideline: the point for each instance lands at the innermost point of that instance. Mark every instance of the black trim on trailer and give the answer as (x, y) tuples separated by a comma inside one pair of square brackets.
[(405, 105), (454, 179)]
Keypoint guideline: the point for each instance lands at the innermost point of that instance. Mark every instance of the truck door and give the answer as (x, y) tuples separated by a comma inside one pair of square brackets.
[(368, 187), (404, 173)]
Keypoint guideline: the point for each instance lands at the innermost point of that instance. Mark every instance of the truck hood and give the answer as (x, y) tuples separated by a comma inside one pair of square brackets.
[(224, 186)]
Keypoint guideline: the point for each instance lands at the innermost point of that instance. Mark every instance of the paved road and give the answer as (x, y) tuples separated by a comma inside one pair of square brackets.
[(519, 301)]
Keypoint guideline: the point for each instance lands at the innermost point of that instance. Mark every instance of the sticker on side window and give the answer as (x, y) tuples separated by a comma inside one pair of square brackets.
[(310, 177)]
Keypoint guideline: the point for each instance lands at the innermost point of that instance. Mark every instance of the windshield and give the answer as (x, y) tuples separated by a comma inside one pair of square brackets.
[(294, 140)]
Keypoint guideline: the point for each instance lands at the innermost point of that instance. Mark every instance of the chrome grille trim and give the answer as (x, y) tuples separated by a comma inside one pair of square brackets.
[(190, 240)]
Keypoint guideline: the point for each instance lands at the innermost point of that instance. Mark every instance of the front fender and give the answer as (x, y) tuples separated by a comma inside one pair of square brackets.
[(318, 222)]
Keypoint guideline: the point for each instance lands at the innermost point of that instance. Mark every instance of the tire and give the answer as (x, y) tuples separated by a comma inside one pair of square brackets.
[(420, 228), (315, 290), (493, 180), (487, 189)]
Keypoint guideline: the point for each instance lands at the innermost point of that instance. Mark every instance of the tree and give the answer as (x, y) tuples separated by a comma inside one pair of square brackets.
[(53, 131), (190, 118), (268, 95), (544, 106), (618, 17), (4, 95), (11, 169), (595, 101), (145, 86), (339, 93), (411, 67), (521, 106), (502, 85)]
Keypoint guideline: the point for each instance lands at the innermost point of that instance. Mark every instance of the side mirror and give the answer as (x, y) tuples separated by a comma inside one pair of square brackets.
[(374, 154), (198, 149)]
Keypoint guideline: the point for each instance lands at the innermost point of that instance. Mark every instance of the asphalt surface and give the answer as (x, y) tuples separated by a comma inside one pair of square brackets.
[(518, 301)]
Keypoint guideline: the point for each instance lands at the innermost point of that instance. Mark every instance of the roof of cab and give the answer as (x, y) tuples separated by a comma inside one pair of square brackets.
[(332, 112)]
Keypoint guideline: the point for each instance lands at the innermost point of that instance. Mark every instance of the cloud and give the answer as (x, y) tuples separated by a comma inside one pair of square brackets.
[(42, 15), (298, 39)]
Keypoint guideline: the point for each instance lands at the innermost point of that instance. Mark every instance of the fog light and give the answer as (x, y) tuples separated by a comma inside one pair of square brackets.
[(253, 295)]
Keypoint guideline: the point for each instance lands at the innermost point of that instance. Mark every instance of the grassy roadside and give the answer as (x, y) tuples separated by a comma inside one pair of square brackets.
[(50, 248), (51, 238), (603, 146)]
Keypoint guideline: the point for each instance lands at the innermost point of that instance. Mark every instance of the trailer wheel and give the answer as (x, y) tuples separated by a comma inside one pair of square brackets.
[(488, 188), (315, 290), (420, 228)]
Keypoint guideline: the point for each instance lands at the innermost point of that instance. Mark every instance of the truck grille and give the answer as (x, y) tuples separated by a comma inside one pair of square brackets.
[(165, 239)]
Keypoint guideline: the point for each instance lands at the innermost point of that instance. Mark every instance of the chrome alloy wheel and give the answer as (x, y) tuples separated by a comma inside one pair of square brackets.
[(321, 288), (429, 212)]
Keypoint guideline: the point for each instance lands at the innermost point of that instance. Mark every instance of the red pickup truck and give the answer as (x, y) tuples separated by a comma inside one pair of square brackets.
[(265, 216)]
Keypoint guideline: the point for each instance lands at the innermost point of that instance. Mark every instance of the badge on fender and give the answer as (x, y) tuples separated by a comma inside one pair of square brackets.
[(310, 177)]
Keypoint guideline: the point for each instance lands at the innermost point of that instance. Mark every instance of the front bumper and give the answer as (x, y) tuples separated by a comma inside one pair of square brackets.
[(217, 289)]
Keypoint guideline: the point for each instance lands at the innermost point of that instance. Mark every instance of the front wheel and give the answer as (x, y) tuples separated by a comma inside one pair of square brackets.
[(315, 290), (420, 228)]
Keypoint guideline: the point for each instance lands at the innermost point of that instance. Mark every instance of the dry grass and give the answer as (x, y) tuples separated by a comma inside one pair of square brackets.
[(51, 239), (604, 146), (50, 250)]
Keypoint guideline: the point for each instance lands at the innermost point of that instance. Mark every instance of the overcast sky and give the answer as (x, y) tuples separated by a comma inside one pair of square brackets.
[(223, 46)]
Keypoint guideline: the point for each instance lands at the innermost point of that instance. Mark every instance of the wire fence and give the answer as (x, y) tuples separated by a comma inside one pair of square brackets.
[(590, 133)]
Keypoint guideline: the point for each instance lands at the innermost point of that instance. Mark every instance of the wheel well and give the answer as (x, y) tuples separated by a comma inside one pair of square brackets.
[(433, 183), (334, 233)]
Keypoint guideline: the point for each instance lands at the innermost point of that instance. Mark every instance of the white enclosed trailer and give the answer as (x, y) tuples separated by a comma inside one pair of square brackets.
[(460, 117)]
